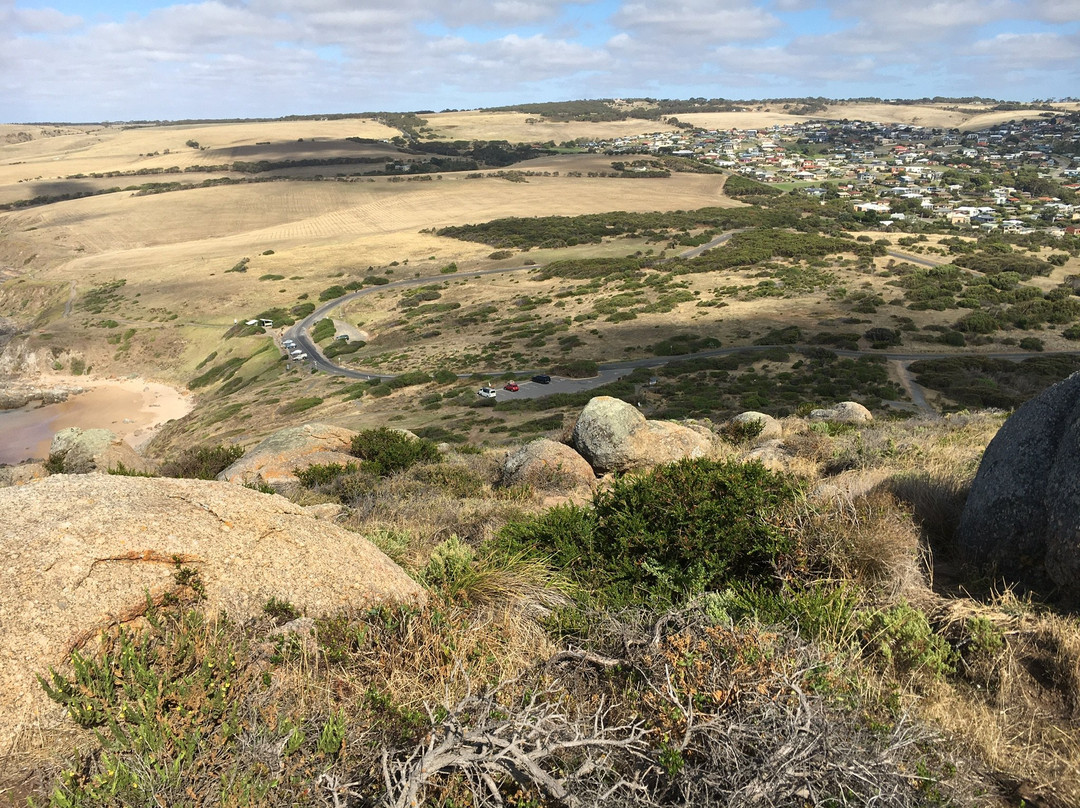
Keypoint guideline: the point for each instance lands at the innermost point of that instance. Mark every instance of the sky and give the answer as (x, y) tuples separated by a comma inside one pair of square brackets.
[(118, 60)]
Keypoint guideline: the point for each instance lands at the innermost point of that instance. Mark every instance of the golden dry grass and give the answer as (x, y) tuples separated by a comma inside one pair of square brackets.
[(83, 150)]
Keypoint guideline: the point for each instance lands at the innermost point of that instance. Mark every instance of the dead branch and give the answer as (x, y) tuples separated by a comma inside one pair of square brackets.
[(532, 745)]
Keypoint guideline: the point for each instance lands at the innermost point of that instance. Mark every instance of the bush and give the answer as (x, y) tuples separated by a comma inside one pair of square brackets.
[(323, 473), (202, 462), (669, 535), (576, 369), (323, 330), (1032, 344), (902, 638), (386, 450), (299, 405), (331, 292)]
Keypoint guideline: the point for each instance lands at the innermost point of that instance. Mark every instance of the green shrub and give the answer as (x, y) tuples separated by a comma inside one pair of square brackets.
[(299, 405), (341, 348), (409, 379), (323, 330), (576, 369), (452, 479), (901, 637), (741, 431), (281, 611), (1032, 344), (444, 376), (818, 610), (331, 292), (681, 344), (217, 373), (387, 450), (323, 473), (121, 470), (202, 462), (671, 534)]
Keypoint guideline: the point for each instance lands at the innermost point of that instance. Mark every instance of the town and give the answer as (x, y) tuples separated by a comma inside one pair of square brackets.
[(901, 176)]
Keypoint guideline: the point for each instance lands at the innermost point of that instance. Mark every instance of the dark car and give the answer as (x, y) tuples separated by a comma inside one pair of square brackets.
[(542, 378)]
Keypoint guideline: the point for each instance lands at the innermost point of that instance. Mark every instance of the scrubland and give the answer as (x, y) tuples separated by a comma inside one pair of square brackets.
[(711, 631)]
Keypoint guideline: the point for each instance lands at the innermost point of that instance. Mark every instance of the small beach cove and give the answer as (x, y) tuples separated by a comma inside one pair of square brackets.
[(132, 408)]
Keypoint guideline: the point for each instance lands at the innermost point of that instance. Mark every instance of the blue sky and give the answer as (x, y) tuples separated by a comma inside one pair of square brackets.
[(66, 60)]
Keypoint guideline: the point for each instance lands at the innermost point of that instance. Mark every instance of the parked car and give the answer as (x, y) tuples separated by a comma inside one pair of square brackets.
[(542, 378), (486, 392), (511, 386)]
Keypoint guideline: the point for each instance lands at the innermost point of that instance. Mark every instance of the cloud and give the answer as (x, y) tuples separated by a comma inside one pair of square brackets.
[(275, 57), (696, 20), (36, 20), (1056, 11), (1030, 51)]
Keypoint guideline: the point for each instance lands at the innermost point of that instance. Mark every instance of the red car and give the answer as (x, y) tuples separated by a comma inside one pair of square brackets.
[(511, 386)]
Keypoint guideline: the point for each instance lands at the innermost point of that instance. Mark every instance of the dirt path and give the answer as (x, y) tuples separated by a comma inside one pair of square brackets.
[(71, 301), (911, 387)]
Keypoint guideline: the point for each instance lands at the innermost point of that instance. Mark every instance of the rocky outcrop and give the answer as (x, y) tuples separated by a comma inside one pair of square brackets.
[(846, 412), (613, 436), (80, 553), (19, 395), (771, 454), (771, 429), (81, 451), (547, 465), (1022, 517), (22, 474), (276, 460)]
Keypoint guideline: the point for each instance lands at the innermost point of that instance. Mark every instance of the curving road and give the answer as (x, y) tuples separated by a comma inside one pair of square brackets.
[(611, 371)]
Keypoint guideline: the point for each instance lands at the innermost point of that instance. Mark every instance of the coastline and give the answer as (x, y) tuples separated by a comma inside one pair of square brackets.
[(134, 408)]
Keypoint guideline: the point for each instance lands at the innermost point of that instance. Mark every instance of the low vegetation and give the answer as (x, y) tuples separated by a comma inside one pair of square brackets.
[(680, 638)]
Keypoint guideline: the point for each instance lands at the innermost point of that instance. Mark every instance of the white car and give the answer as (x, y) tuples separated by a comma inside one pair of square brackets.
[(486, 392)]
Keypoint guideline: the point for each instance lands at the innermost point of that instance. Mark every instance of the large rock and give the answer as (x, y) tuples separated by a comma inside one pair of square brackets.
[(81, 451), (276, 460), (613, 436), (546, 464), (22, 474), (771, 429), (79, 554), (18, 395), (846, 412), (1022, 517)]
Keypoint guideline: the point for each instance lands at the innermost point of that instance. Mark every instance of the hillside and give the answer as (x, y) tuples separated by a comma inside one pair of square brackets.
[(827, 642), (782, 617)]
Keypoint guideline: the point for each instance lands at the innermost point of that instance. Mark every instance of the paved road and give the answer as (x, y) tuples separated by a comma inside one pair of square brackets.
[(609, 371), (917, 259), (694, 252)]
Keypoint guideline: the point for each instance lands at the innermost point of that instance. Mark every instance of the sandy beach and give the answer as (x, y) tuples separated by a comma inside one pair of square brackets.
[(133, 408)]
